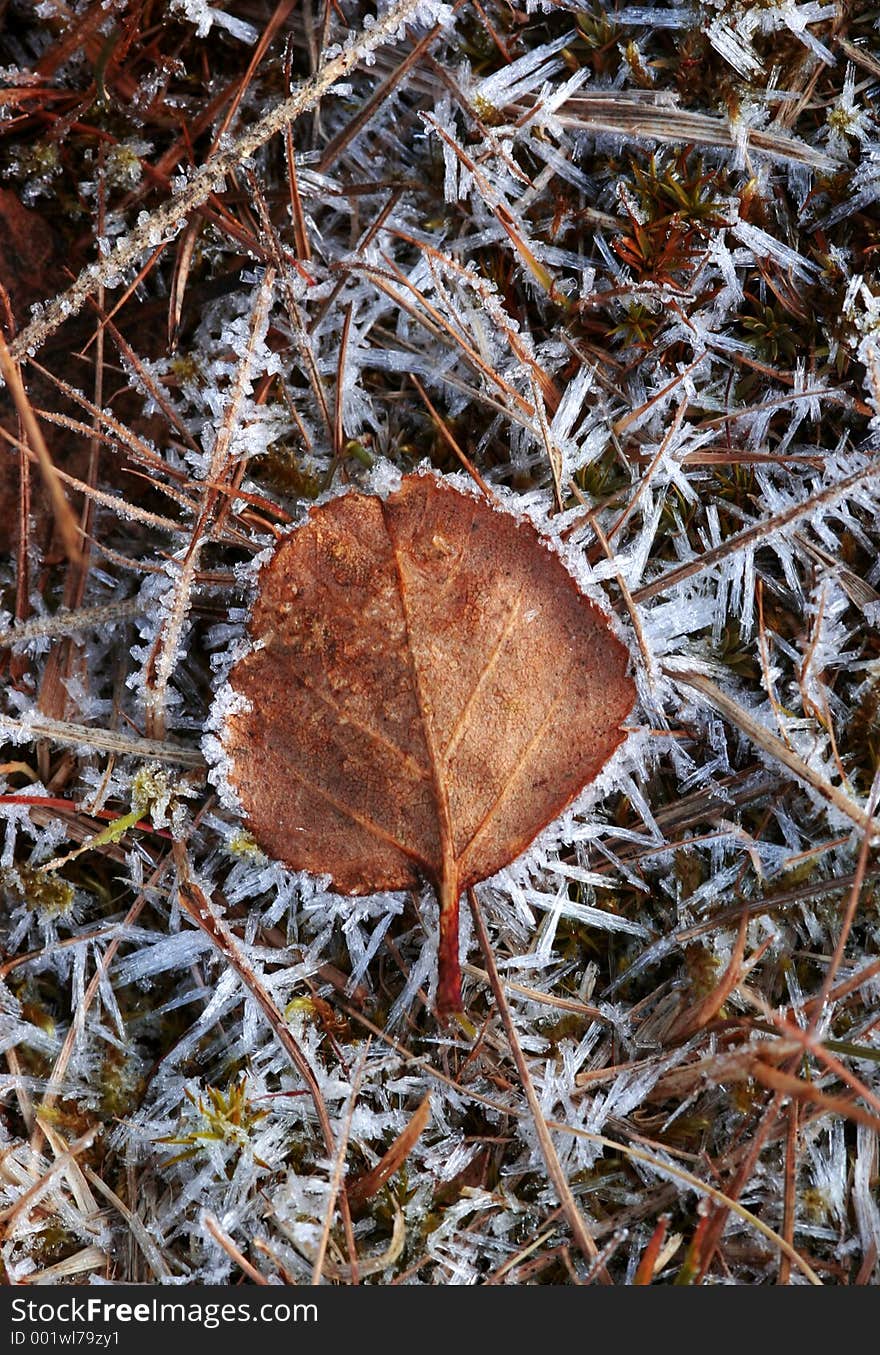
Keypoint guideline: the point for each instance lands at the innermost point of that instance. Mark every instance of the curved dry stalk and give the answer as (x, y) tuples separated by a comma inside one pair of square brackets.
[(789, 1187), (336, 1178), (223, 1240), (195, 902), (166, 221), (759, 531), (65, 518), (366, 1186), (770, 743), (557, 1176), (450, 441), (799, 1090), (139, 1232), (690, 1021), (367, 1265), (718, 1196)]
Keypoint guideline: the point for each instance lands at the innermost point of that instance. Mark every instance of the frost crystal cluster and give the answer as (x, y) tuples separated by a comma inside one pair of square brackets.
[(619, 265)]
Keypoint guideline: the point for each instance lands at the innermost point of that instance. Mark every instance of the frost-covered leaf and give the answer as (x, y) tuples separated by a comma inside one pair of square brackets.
[(426, 689)]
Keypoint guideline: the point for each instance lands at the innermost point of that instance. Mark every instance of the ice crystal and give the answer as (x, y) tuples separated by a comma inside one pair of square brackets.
[(623, 264)]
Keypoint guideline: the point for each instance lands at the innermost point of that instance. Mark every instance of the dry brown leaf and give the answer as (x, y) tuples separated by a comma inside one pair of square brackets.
[(366, 1186), (427, 690)]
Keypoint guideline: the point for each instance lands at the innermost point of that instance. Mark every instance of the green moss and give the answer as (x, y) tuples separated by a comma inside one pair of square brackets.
[(121, 1084), (281, 468), (771, 333), (243, 846), (220, 1115), (43, 891), (737, 655)]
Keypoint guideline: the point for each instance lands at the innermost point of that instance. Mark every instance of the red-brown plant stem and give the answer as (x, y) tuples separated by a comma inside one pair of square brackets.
[(449, 968)]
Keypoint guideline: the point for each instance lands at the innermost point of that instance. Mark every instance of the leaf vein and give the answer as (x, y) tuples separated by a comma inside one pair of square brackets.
[(363, 820), (441, 799), (485, 671), (345, 716), (516, 770)]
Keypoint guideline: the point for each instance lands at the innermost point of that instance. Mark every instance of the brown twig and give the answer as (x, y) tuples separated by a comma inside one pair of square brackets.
[(575, 1218)]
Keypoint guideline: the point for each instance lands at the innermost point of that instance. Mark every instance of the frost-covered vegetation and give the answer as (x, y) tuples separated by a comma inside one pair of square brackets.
[(620, 261)]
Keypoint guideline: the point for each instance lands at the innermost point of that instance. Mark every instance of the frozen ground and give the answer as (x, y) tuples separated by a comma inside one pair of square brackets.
[(623, 261)]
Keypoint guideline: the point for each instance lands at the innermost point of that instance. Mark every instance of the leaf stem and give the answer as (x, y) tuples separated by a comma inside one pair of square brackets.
[(449, 969)]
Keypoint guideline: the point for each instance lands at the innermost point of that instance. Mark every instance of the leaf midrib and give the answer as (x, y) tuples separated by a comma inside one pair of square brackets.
[(446, 865)]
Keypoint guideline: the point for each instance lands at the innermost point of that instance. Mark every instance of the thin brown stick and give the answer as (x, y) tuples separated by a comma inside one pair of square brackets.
[(789, 1191), (770, 743), (223, 1240), (800, 1090), (366, 1186), (338, 1169), (139, 1232), (574, 1216), (195, 902), (168, 219), (68, 527), (440, 425)]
